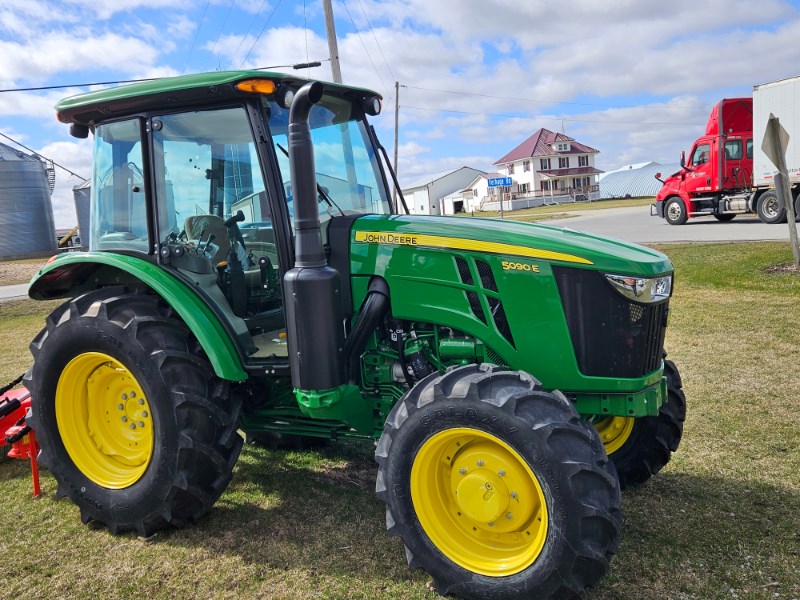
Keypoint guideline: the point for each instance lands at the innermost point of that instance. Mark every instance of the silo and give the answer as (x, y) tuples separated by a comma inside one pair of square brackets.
[(26, 215), (82, 195)]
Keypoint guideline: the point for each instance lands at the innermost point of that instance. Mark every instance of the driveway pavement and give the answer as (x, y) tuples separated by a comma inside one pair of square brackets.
[(13, 292), (634, 224)]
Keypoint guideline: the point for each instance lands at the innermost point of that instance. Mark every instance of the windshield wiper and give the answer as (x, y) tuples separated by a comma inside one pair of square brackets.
[(320, 190)]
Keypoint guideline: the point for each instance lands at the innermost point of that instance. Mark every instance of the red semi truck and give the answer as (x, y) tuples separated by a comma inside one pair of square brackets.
[(727, 173)]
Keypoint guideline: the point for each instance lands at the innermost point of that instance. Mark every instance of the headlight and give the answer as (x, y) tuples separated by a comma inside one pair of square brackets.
[(642, 289)]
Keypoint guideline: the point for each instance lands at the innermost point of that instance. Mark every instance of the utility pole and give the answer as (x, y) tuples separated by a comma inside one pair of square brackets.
[(333, 46), (396, 132)]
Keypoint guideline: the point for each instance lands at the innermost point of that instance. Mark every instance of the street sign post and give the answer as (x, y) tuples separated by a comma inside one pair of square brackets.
[(501, 182)]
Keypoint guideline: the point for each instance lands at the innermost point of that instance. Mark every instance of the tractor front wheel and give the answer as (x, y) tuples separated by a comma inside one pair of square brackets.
[(132, 422), (641, 447), (496, 487)]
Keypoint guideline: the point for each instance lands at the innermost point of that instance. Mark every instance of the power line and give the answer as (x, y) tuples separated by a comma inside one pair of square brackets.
[(464, 112), (550, 101), (196, 33), (221, 29), (365, 48), (260, 33), (71, 85), (252, 22), (43, 157), (372, 30)]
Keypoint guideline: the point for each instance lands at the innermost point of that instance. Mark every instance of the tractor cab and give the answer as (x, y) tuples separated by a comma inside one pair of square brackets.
[(205, 192)]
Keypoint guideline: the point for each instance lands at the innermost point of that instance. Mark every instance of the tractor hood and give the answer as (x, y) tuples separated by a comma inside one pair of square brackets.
[(514, 239)]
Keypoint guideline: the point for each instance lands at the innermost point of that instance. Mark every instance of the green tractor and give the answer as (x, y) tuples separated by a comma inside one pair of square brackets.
[(249, 273)]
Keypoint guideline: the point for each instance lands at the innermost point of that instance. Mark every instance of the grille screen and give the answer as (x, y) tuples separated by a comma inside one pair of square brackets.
[(612, 336)]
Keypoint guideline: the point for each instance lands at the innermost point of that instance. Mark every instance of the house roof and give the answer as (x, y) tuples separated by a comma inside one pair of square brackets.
[(540, 144), (428, 179), (572, 171)]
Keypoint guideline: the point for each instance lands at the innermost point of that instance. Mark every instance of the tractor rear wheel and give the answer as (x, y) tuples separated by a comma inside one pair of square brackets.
[(133, 424), (641, 447), (496, 487)]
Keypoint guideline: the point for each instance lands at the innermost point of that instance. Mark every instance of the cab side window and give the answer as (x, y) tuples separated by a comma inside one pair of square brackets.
[(733, 150), (700, 155)]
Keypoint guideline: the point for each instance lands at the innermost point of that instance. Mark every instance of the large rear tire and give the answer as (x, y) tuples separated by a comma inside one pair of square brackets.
[(496, 487), (641, 447), (133, 424)]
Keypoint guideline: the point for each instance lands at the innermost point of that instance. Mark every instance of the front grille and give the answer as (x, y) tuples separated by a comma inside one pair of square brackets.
[(612, 336)]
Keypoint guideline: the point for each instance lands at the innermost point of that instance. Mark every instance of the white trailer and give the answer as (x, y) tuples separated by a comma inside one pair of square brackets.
[(782, 99)]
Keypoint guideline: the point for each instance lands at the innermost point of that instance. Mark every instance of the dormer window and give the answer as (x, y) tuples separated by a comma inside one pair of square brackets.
[(561, 147)]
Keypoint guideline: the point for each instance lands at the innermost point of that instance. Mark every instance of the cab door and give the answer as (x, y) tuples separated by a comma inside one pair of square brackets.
[(736, 167), (699, 179)]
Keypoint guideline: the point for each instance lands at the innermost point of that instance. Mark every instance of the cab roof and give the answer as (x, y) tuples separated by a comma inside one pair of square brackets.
[(185, 90)]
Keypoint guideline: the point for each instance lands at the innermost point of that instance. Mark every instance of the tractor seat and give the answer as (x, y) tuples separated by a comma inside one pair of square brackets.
[(205, 225)]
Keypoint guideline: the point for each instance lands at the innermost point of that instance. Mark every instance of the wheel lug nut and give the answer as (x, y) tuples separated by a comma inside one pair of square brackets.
[(463, 471), (120, 406), (144, 413), (124, 396), (133, 394), (509, 516), (490, 523), (141, 401), (501, 472), (124, 419), (480, 463), (141, 423), (133, 426), (514, 495)]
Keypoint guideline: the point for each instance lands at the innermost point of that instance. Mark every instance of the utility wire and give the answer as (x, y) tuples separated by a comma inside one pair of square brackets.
[(413, 87), (388, 93), (260, 33), (464, 112), (372, 30), (71, 85), (44, 157), (252, 22), (196, 33), (221, 29)]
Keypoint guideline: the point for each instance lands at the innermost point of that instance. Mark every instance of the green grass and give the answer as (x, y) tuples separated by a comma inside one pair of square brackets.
[(720, 521), (560, 211)]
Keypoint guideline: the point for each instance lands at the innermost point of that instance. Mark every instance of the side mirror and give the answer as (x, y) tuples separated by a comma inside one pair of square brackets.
[(658, 176), (683, 158)]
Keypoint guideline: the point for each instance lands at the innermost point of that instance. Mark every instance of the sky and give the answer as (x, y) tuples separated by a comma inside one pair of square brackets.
[(633, 79)]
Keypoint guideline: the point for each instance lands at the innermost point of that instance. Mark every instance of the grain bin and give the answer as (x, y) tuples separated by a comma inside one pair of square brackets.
[(26, 214), (82, 194)]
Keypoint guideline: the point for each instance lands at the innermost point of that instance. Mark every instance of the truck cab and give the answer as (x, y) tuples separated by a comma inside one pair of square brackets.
[(716, 179)]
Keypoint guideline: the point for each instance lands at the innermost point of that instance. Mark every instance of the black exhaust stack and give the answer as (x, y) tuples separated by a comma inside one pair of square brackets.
[(314, 316)]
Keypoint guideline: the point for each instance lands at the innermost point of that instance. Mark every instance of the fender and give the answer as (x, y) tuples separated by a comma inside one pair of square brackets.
[(79, 272)]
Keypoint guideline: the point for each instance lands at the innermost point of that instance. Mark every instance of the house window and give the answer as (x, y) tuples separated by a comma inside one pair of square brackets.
[(526, 165), (475, 193), (523, 188), (563, 162), (586, 181), (545, 185), (510, 168), (583, 161), (544, 164)]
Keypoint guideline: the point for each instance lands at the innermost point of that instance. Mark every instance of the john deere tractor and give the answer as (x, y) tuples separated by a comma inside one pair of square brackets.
[(248, 274)]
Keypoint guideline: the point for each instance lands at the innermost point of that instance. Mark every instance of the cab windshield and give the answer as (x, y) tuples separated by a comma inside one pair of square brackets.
[(346, 165)]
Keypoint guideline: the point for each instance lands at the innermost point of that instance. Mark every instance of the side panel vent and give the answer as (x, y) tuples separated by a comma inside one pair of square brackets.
[(500, 319), (475, 305), (463, 271), (486, 275)]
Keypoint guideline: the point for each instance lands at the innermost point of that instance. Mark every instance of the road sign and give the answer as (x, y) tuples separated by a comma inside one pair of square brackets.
[(500, 182)]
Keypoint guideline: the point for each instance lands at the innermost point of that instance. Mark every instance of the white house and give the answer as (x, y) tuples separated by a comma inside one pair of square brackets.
[(426, 195), (547, 166)]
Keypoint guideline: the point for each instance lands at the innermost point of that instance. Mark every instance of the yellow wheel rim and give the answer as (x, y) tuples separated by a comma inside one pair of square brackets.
[(614, 431), (479, 502), (104, 420)]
